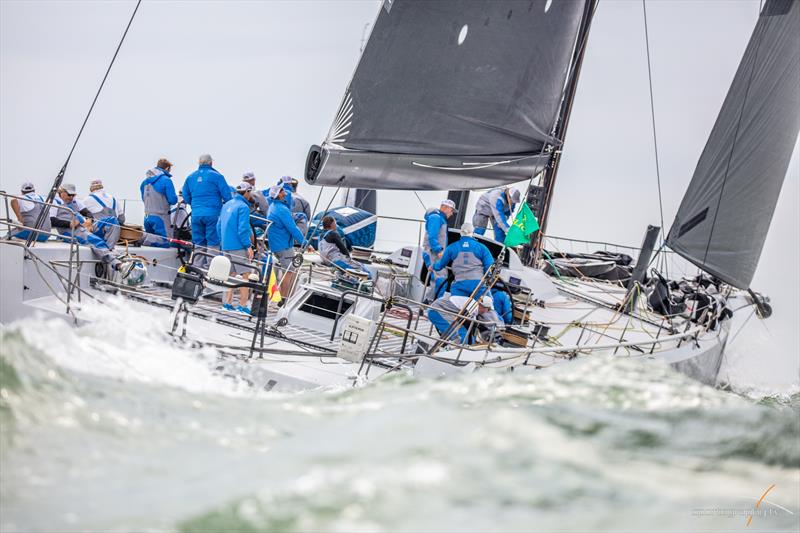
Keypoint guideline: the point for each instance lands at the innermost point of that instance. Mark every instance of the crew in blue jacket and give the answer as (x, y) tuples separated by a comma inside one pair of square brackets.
[(284, 182), (469, 260), (502, 303), (282, 232), (158, 195), (206, 191), (235, 234), (435, 242), (495, 205)]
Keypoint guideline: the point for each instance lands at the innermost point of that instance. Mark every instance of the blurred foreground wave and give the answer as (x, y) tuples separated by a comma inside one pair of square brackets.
[(136, 432)]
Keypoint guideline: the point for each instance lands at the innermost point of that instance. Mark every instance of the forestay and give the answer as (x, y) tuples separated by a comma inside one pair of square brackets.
[(452, 95), (725, 215)]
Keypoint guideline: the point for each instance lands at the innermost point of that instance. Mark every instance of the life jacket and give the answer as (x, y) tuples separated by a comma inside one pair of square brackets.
[(329, 251), (67, 215), (467, 265), (442, 235), (107, 216), (155, 203), (30, 217)]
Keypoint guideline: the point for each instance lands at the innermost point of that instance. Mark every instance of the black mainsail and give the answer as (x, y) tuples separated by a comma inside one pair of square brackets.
[(725, 215), (452, 95)]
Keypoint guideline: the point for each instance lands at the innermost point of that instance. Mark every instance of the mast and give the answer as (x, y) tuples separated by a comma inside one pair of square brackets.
[(540, 196), (461, 199)]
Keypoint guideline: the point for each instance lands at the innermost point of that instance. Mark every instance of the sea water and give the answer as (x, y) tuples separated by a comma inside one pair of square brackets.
[(113, 426)]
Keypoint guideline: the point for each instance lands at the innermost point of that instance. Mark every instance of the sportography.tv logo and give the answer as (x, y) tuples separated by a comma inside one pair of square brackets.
[(761, 508)]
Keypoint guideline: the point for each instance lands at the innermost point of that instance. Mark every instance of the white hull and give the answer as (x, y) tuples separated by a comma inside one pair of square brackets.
[(26, 290)]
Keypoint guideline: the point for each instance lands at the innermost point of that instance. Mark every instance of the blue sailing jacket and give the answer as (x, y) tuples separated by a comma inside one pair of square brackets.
[(206, 191), (163, 185), (282, 232), (233, 226), (434, 220), (502, 305)]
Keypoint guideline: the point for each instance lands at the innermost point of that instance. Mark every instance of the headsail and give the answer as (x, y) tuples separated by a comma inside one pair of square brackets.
[(725, 215), (452, 95)]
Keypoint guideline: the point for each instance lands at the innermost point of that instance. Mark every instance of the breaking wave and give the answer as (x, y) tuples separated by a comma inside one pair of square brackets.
[(132, 431)]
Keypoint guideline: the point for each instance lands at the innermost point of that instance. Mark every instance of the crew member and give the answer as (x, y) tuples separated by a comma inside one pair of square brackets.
[(469, 260), (206, 191), (27, 213), (158, 195), (286, 183), (282, 234), (106, 212), (236, 240), (71, 219), (301, 209), (435, 242), (503, 305), (495, 205), (335, 250), (259, 205), (463, 311), (180, 218)]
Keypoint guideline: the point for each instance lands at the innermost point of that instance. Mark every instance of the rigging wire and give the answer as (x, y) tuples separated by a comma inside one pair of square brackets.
[(653, 119), (57, 182), (424, 207)]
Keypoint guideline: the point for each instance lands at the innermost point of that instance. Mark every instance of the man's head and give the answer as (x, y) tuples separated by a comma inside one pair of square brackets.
[(467, 229), (448, 207), (485, 304), (328, 222), (164, 164), (95, 185), (249, 177), (287, 181), (27, 187), (514, 195), (67, 192), (205, 159), (244, 189), (276, 192)]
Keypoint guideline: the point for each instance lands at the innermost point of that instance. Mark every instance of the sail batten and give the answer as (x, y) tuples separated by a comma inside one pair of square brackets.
[(452, 81), (726, 212)]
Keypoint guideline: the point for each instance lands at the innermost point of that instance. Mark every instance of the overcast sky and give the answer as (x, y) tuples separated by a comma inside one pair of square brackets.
[(255, 83)]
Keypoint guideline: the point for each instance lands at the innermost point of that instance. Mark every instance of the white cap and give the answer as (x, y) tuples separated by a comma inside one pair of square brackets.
[(205, 159), (487, 301), (244, 187), (69, 188), (249, 176), (286, 180), (96, 184), (467, 229), (27, 187), (515, 196), (274, 191), (449, 203)]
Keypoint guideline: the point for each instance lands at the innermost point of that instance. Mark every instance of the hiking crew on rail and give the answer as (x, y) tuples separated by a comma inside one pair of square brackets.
[(228, 220)]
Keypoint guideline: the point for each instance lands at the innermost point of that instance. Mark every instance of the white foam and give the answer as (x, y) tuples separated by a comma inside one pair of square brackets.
[(757, 363), (129, 342)]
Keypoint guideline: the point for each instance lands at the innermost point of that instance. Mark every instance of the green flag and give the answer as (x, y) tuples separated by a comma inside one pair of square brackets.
[(524, 224)]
